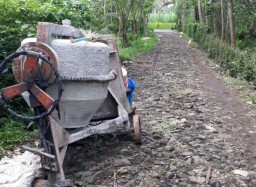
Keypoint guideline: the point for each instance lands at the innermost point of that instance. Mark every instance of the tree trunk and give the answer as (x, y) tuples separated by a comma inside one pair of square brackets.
[(206, 17), (145, 23), (215, 20), (123, 10), (191, 9), (222, 20), (227, 29), (183, 15), (200, 11), (134, 27), (196, 14), (122, 30), (231, 22)]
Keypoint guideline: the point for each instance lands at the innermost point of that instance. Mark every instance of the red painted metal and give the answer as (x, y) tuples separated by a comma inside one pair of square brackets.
[(13, 91), (42, 96)]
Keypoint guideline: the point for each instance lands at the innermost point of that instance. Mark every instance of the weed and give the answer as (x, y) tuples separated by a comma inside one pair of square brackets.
[(251, 99), (236, 83)]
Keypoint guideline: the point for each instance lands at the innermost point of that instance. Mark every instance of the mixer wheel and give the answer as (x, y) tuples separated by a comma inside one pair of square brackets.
[(47, 183), (137, 129), (40, 183)]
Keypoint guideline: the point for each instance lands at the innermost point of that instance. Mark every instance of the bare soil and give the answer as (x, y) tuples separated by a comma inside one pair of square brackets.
[(194, 128)]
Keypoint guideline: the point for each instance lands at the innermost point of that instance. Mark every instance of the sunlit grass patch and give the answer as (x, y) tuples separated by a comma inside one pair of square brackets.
[(12, 133), (136, 47), (160, 25)]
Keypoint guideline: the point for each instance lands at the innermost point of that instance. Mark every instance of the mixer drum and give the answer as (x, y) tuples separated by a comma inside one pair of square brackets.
[(80, 99), (75, 62)]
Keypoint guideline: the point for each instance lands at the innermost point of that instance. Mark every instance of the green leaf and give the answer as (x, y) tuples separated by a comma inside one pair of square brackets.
[(24, 26)]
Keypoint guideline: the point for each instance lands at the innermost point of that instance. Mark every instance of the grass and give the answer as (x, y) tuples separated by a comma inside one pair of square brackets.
[(243, 87), (237, 83), (251, 99), (137, 47), (160, 25), (12, 133)]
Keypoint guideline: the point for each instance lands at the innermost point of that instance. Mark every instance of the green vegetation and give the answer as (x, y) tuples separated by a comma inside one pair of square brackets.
[(237, 83), (163, 18), (141, 45), (226, 30), (19, 19), (12, 132), (238, 63), (162, 21), (159, 25), (251, 99)]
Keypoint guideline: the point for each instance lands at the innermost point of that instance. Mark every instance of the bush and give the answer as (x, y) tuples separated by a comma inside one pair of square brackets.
[(238, 63)]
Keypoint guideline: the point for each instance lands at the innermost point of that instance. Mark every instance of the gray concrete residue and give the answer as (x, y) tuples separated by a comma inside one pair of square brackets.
[(19, 171), (81, 58)]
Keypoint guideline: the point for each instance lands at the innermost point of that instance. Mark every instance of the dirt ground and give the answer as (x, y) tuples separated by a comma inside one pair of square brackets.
[(196, 131)]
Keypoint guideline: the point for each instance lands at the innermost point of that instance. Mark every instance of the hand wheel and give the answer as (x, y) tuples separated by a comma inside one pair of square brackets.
[(33, 81)]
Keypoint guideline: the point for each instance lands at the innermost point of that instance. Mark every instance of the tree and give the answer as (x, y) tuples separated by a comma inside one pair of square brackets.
[(222, 20), (199, 11), (123, 10), (231, 22), (183, 17)]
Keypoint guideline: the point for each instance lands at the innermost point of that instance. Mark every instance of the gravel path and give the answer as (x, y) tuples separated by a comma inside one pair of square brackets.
[(196, 132)]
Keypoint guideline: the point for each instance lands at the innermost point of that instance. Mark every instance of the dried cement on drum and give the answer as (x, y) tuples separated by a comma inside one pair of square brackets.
[(82, 58)]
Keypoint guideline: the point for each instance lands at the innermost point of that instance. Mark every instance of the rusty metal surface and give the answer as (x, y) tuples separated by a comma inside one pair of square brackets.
[(46, 100), (116, 87), (13, 91), (22, 63), (61, 133), (45, 31), (38, 151), (137, 129), (29, 72), (55, 142), (110, 126)]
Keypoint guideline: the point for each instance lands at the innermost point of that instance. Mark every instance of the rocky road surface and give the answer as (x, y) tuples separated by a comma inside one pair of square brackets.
[(196, 132)]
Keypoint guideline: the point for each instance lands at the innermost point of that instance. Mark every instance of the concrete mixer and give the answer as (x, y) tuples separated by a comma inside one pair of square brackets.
[(75, 88)]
